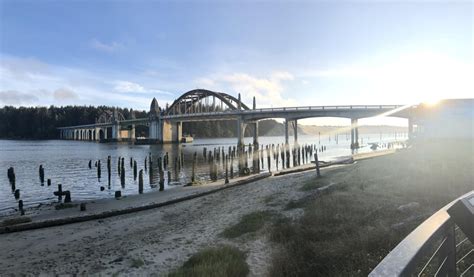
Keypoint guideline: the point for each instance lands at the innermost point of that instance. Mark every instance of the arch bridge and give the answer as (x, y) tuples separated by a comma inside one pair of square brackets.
[(165, 124)]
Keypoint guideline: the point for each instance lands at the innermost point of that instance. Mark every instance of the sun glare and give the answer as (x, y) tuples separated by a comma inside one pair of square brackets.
[(431, 102)]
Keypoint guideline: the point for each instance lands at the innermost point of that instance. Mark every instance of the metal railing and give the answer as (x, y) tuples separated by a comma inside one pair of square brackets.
[(431, 250)]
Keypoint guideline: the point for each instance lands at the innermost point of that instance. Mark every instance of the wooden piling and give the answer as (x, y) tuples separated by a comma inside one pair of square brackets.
[(20, 207), (226, 171), (134, 170), (122, 176), (162, 180), (41, 173), (67, 196), (109, 168), (90, 164), (98, 170), (140, 181), (318, 174), (193, 170)]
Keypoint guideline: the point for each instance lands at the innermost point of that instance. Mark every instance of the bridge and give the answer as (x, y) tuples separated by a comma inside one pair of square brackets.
[(165, 124)]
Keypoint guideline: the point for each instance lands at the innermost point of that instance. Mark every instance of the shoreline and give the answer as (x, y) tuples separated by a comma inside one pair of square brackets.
[(46, 216)]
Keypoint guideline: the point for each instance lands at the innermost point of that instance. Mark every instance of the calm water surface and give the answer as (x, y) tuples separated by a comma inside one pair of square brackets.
[(66, 163)]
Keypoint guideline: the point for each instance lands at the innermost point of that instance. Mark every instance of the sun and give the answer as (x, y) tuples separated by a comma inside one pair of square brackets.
[(431, 102)]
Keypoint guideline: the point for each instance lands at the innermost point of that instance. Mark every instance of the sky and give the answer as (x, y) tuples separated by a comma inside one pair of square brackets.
[(285, 53)]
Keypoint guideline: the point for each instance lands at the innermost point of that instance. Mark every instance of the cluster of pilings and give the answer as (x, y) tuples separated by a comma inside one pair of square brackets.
[(16, 192)]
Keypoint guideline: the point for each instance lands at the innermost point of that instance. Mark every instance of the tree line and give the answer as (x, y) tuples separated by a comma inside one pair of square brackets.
[(42, 122)]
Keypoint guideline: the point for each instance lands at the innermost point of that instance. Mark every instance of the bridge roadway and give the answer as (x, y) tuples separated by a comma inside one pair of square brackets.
[(165, 125), (252, 116)]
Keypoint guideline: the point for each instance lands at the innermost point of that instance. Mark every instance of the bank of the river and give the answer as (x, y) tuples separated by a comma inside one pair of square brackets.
[(161, 238)]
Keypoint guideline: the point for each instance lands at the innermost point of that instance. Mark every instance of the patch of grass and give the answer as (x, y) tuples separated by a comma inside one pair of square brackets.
[(214, 262), (137, 262), (296, 204), (348, 230), (15, 220), (63, 206), (270, 199), (313, 184), (249, 223)]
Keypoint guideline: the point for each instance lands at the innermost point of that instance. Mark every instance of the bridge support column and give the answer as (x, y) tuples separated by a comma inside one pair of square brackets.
[(241, 125), (131, 133), (286, 132), (177, 132), (354, 134), (171, 131), (255, 134), (294, 124), (116, 132), (410, 128), (155, 131)]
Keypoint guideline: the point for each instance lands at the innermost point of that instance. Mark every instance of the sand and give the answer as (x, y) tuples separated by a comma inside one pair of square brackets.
[(163, 238)]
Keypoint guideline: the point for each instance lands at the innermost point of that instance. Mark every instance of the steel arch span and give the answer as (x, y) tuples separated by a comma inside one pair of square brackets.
[(187, 103)]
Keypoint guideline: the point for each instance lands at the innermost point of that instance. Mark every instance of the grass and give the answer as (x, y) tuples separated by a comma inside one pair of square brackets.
[(137, 262), (249, 223), (220, 261), (350, 229)]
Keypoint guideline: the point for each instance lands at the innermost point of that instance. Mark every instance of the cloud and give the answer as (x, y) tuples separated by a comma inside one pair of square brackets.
[(104, 47), (131, 87), (268, 90), (126, 86), (13, 97), (64, 94)]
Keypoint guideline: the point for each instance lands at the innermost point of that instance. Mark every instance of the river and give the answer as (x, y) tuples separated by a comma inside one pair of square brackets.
[(66, 163)]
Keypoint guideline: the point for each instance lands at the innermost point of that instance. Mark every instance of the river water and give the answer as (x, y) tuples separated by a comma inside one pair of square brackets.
[(66, 163)]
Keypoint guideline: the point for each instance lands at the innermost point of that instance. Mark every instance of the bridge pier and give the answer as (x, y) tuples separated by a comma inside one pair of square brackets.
[(116, 136), (241, 125), (255, 134), (171, 131), (131, 133), (410, 128), (286, 132), (354, 134), (294, 124)]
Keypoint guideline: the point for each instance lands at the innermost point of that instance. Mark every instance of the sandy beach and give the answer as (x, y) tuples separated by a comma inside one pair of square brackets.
[(163, 238)]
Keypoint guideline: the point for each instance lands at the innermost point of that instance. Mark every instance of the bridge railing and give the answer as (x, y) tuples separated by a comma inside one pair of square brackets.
[(437, 247)]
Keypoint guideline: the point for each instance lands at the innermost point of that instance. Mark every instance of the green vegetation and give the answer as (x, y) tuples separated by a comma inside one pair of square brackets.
[(41, 122), (350, 229), (137, 262), (249, 223), (214, 262)]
